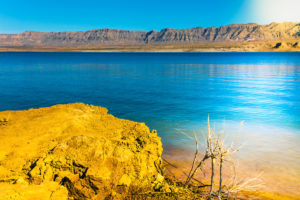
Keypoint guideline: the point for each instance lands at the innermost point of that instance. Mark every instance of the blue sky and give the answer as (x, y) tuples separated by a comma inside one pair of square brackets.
[(74, 15)]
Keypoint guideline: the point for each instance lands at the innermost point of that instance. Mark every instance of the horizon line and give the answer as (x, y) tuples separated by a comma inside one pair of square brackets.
[(150, 30)]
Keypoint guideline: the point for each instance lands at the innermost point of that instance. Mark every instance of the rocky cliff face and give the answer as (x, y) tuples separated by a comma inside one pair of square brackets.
[(75, 151), (92, 37), (234, 32)]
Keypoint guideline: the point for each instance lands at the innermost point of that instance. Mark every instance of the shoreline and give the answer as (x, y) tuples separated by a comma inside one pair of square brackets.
[(253, 46), (154, 51), (146, 51), (81, 130), (274, 184)]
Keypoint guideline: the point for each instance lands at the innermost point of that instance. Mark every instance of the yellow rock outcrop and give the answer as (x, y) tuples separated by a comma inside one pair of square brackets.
[(75, 151)]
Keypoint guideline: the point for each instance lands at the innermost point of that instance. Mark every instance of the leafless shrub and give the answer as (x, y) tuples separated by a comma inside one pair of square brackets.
[(218, 153)]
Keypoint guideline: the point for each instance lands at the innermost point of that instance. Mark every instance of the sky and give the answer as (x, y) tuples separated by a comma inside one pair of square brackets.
[(78, 15)]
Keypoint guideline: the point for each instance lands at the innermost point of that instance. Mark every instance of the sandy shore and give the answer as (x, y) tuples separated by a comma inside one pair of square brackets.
[(201, 47), (270, 182)]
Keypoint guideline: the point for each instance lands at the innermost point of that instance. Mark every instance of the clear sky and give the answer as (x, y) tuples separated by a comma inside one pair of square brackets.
[(74, 15)]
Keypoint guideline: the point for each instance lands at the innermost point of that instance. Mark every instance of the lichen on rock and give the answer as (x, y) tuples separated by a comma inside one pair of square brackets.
[(75, 151)]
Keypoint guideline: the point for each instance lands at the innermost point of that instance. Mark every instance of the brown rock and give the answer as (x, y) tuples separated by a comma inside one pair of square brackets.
[(106, 37), (76, 148)]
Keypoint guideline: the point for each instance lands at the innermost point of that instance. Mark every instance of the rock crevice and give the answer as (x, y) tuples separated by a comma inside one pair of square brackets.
[(75, 151)]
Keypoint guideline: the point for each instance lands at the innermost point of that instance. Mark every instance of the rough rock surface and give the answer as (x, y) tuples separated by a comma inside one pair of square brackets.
[(74, 151), (229, 33)]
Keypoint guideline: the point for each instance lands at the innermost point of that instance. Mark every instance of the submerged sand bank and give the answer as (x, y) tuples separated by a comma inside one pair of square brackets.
[(269, 181)]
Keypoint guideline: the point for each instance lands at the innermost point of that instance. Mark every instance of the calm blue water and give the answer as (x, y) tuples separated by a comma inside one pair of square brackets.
[(170, 92)]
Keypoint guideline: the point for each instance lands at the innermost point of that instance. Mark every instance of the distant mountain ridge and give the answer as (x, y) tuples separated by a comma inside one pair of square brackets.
[(229, 33)]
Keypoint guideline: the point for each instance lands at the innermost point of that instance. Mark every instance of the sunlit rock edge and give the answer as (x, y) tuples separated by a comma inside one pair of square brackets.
[(75, 151)]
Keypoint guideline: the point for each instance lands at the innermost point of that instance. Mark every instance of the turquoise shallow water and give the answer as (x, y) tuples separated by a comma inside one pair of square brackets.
[(174, 93), (170, 92)]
